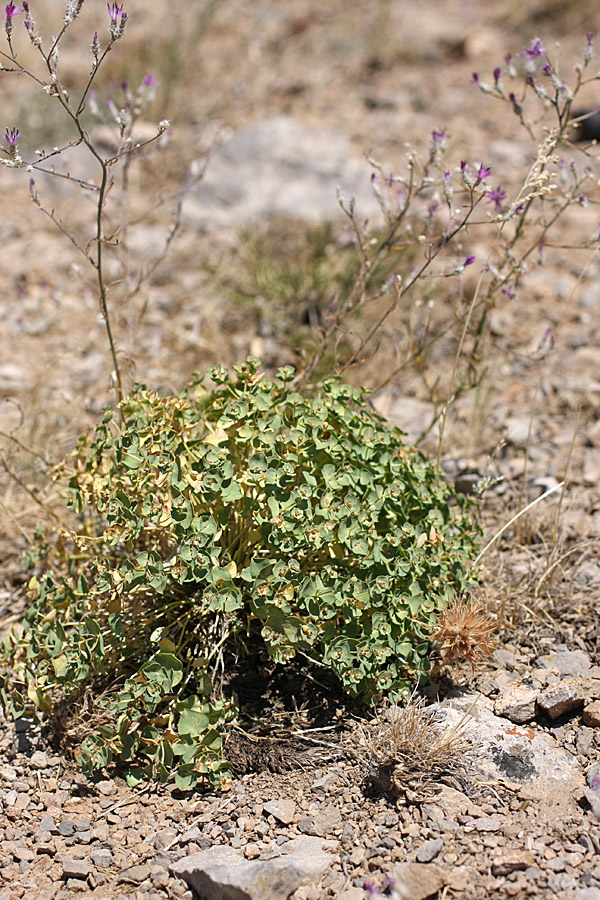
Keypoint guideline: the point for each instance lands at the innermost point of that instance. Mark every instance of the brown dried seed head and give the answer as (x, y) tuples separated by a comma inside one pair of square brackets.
[(464, 631)]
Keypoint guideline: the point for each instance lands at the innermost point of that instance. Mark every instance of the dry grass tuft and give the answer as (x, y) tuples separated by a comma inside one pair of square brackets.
[(465, 632), (409, 750)]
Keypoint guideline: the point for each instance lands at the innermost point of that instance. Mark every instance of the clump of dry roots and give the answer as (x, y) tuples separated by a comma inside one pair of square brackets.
[(409, 749), (465, 632)]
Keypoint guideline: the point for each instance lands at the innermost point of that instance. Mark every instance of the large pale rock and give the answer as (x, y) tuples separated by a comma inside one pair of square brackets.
[(509, 752), (279, 167), (222, 873)]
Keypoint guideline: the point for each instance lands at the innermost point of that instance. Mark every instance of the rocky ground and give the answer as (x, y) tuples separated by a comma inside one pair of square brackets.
[(304, 818), (515, 818)]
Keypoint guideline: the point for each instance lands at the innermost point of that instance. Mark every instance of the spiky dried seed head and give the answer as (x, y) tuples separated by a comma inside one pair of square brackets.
[(465, 632)]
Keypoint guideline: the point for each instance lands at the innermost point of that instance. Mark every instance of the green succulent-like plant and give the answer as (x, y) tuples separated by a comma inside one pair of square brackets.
[(234, 516)]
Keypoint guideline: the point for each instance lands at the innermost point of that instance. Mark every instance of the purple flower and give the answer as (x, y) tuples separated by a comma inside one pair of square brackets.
[(469, 260), (484, 172), (497, 74), (438, 136), (12, 10), (118, 18), (536, 48), (547, 69), (150, 81), (11, 137), (114, 11), (496, 196), (475, 78)]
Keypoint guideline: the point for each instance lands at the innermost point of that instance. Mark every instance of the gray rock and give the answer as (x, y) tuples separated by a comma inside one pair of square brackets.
[(566, 662), (76, 868), (47, 824), (278, 167), (429, 850), (516, 703), (163, 838), (587, 893), (222, 873), (192, 834), (487, 823), (136, 874), (416, 881), (591, 714), (282, 810), (508, 752), (101, 857), (39, 760), (561, 698), (66, 828)]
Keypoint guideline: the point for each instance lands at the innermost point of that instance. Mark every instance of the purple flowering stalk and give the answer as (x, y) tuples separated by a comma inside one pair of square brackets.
[(73, 107)]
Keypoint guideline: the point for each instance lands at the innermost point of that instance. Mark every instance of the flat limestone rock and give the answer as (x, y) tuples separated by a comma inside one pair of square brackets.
[(509, 752), (222, 873)]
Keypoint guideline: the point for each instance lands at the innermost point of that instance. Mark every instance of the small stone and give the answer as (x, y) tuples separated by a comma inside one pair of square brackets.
[(39, 760), (135, 874), (82, 824), (48, 824), (163, 838), (514, 861), (76, 868), (251, 851), (101, 857), (429, 850), (160, 879), (487, 823), (106, 788), (418, 881), (326, 820), (23, 854), (282, 810), (66, 828), (564, 697), (591, 714), (517, 703), (192, 834)]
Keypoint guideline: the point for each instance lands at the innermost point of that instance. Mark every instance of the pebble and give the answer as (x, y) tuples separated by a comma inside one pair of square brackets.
[(591, 714), (39, 760), (101, 857), (429, 850), (282, 810), (76, 868)]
